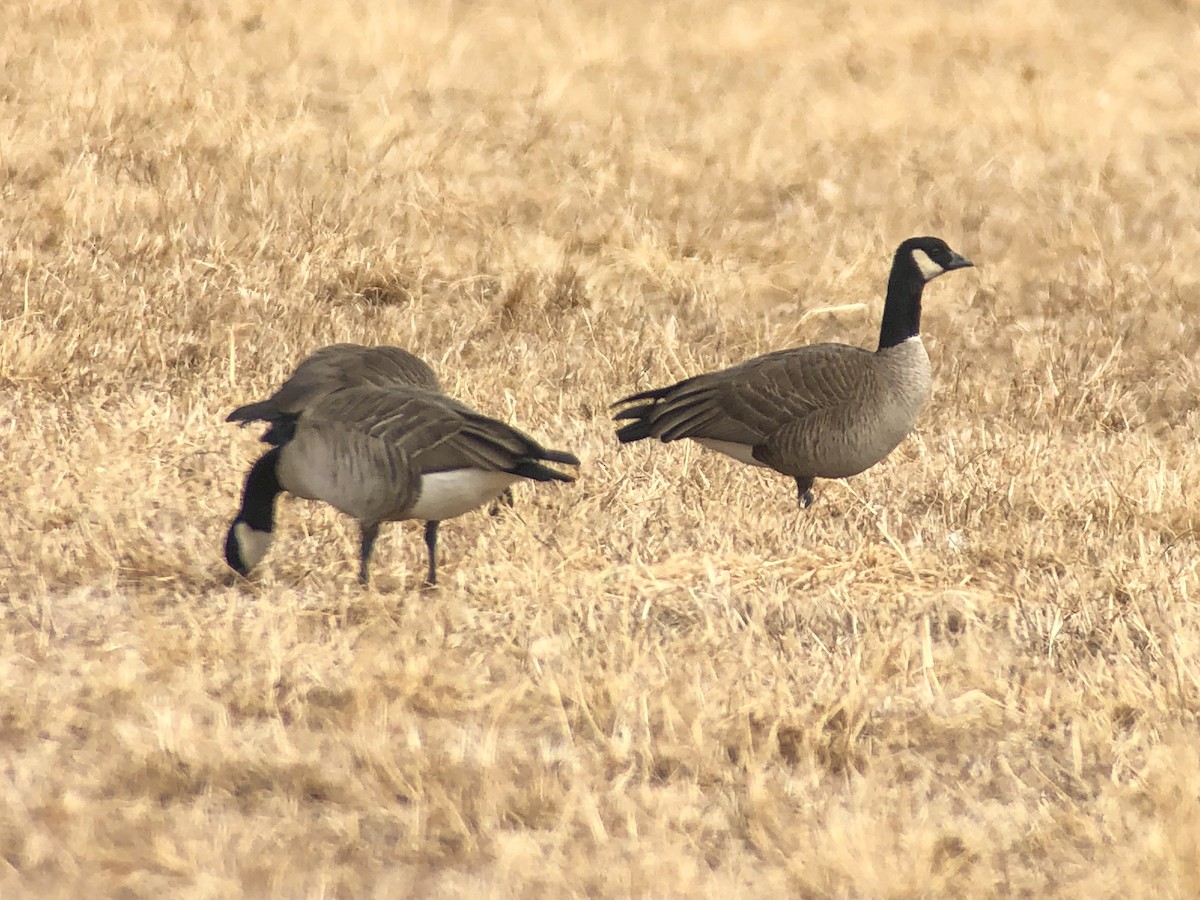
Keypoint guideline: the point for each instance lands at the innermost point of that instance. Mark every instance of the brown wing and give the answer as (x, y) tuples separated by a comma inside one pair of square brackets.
[(433, 432), (747, 403)]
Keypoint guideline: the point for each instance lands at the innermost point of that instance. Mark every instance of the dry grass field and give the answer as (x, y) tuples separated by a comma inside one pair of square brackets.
[(972, 671)]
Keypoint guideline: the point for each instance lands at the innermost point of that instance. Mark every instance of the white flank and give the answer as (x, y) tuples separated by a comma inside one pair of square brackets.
[(445, 495), (929, 269), (252, 544), (741, 452)]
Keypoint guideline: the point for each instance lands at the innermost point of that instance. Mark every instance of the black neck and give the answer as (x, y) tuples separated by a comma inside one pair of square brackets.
[(902, 308), (258, 497)]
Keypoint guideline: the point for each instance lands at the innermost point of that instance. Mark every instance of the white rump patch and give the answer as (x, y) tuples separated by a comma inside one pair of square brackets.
[(929, 269), (743, 453), (252, 544), (445, 495)]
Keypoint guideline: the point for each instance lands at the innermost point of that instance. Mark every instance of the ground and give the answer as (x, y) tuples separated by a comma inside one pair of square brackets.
[(972, 671)]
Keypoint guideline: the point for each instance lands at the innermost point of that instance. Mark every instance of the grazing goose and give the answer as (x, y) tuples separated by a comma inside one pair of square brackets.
[(821, 411), (385, 454), (339, 366)]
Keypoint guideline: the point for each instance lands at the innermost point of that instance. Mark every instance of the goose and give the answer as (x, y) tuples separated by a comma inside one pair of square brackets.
[(820, 411), (384, 454), (343, 365)]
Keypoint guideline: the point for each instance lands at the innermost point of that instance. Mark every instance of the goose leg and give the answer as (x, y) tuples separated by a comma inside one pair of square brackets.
[(431, 528), (804, 492), (369, 533)]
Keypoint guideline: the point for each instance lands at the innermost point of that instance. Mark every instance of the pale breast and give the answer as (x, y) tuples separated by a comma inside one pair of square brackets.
[(903, 382), (905, 379), (362, 478), (847, 439)]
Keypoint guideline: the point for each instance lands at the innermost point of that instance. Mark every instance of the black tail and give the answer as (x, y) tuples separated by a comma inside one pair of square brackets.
[(558, 456), (653, 395), (280, 428), (263, 411), (534, 470), (635, 431), (642, 414)]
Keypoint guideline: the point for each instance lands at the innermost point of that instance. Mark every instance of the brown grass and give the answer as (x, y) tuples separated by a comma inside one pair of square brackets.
[(972, 671)]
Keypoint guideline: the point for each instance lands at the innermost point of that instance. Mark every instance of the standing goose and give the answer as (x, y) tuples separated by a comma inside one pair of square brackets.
[(385, 454), (821, 411)]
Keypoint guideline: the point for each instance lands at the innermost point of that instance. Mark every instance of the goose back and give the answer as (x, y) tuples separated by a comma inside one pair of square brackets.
[(332, 368), (344, 364)]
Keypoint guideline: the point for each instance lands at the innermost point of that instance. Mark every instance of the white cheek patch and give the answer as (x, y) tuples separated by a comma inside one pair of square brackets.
[(252, 544), (929, 269), (445, 495)]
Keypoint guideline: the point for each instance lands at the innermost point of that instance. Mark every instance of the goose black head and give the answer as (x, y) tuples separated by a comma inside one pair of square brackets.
[(918, 261), (245, 546), (932, 257)]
